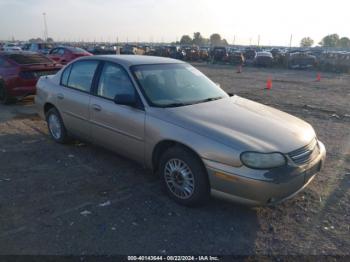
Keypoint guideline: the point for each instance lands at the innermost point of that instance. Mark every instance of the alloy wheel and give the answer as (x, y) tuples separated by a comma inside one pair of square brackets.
[(179, 178), (55, 126)]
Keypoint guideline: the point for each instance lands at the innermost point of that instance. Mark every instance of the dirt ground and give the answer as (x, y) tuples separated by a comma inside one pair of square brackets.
[(81, 199)]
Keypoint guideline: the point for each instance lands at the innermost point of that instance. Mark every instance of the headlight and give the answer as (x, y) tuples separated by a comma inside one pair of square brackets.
[(263, 160)]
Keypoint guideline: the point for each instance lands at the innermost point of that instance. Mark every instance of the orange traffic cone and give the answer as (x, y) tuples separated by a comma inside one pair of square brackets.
[(269, 83), (239, 69), (318, 77)]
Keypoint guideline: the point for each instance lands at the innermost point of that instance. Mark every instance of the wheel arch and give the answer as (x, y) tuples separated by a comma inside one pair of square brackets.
[(48, 106), (164, 145)]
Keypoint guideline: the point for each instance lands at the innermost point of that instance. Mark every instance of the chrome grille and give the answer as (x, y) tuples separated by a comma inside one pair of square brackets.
[(305, 154)]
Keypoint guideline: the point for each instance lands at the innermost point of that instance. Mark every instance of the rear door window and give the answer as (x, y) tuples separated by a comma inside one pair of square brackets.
[(81, 75)]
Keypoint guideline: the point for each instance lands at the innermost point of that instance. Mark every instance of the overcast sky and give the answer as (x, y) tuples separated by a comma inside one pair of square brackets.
[(167, 20)]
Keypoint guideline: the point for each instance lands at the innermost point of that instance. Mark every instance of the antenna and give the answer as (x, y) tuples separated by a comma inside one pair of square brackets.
[(46, 33)]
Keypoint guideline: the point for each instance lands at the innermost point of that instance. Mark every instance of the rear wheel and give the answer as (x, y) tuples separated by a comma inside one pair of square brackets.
[(184, 176), (56, 127), (5, 98)]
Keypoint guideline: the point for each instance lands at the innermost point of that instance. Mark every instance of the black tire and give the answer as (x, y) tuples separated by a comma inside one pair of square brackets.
[(5, 98), (63, 137), (201, 189)]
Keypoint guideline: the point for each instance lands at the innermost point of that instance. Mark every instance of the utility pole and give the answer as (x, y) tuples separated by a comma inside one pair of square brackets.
[(258, 40), (290, 47), (46, 33)]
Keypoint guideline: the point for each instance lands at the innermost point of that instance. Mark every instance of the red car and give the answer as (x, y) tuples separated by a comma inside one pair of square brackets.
[(64, 55), (19, 72)]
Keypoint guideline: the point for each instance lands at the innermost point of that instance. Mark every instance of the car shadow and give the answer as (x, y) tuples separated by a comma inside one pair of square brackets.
[(82, 199), (22, 109)]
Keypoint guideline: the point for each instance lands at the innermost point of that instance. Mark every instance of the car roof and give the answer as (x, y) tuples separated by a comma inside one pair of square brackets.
[(6, 53), (70, 48), (130, 60)]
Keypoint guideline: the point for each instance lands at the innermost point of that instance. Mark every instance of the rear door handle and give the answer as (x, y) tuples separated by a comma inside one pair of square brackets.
[(96, 107), (60, 96)]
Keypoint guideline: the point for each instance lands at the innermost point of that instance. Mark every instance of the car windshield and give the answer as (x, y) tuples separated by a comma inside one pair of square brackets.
[(171, 85)]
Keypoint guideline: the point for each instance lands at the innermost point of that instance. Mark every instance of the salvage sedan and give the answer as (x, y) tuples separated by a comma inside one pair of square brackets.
[(66, 54), (168, 116)]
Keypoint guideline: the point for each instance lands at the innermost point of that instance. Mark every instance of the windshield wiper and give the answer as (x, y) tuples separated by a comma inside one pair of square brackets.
[(177, 104), (207, 100)]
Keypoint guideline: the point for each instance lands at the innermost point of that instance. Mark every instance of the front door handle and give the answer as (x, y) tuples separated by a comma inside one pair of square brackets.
[(96, 108), (60, 96)]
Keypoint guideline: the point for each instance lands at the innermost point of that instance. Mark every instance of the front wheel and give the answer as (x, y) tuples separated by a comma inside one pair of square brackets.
[(184, 176), (56, 127)]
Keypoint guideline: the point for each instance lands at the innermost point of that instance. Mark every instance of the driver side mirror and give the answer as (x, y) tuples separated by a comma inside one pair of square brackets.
[(125, 99)]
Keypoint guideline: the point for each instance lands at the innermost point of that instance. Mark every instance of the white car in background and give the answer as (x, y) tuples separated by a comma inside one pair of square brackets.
[(11, 47)]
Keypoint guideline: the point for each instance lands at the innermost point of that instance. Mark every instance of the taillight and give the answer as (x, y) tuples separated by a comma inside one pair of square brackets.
[(27, 75)]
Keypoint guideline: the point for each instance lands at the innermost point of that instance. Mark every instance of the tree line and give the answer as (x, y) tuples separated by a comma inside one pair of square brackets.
[(197, 39), (332, 40)]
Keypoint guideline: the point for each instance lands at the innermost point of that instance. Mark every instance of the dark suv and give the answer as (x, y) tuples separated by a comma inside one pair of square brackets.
[(219, 54)]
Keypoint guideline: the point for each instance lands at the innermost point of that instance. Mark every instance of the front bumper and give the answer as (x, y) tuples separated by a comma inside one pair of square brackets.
[(262, 187)]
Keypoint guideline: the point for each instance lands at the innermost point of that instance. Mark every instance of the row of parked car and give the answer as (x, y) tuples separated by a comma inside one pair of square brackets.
[(21, 66), (334, 61), (294, 59)]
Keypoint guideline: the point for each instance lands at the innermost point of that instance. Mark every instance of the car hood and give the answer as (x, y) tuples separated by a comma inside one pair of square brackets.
[(241, 124)]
